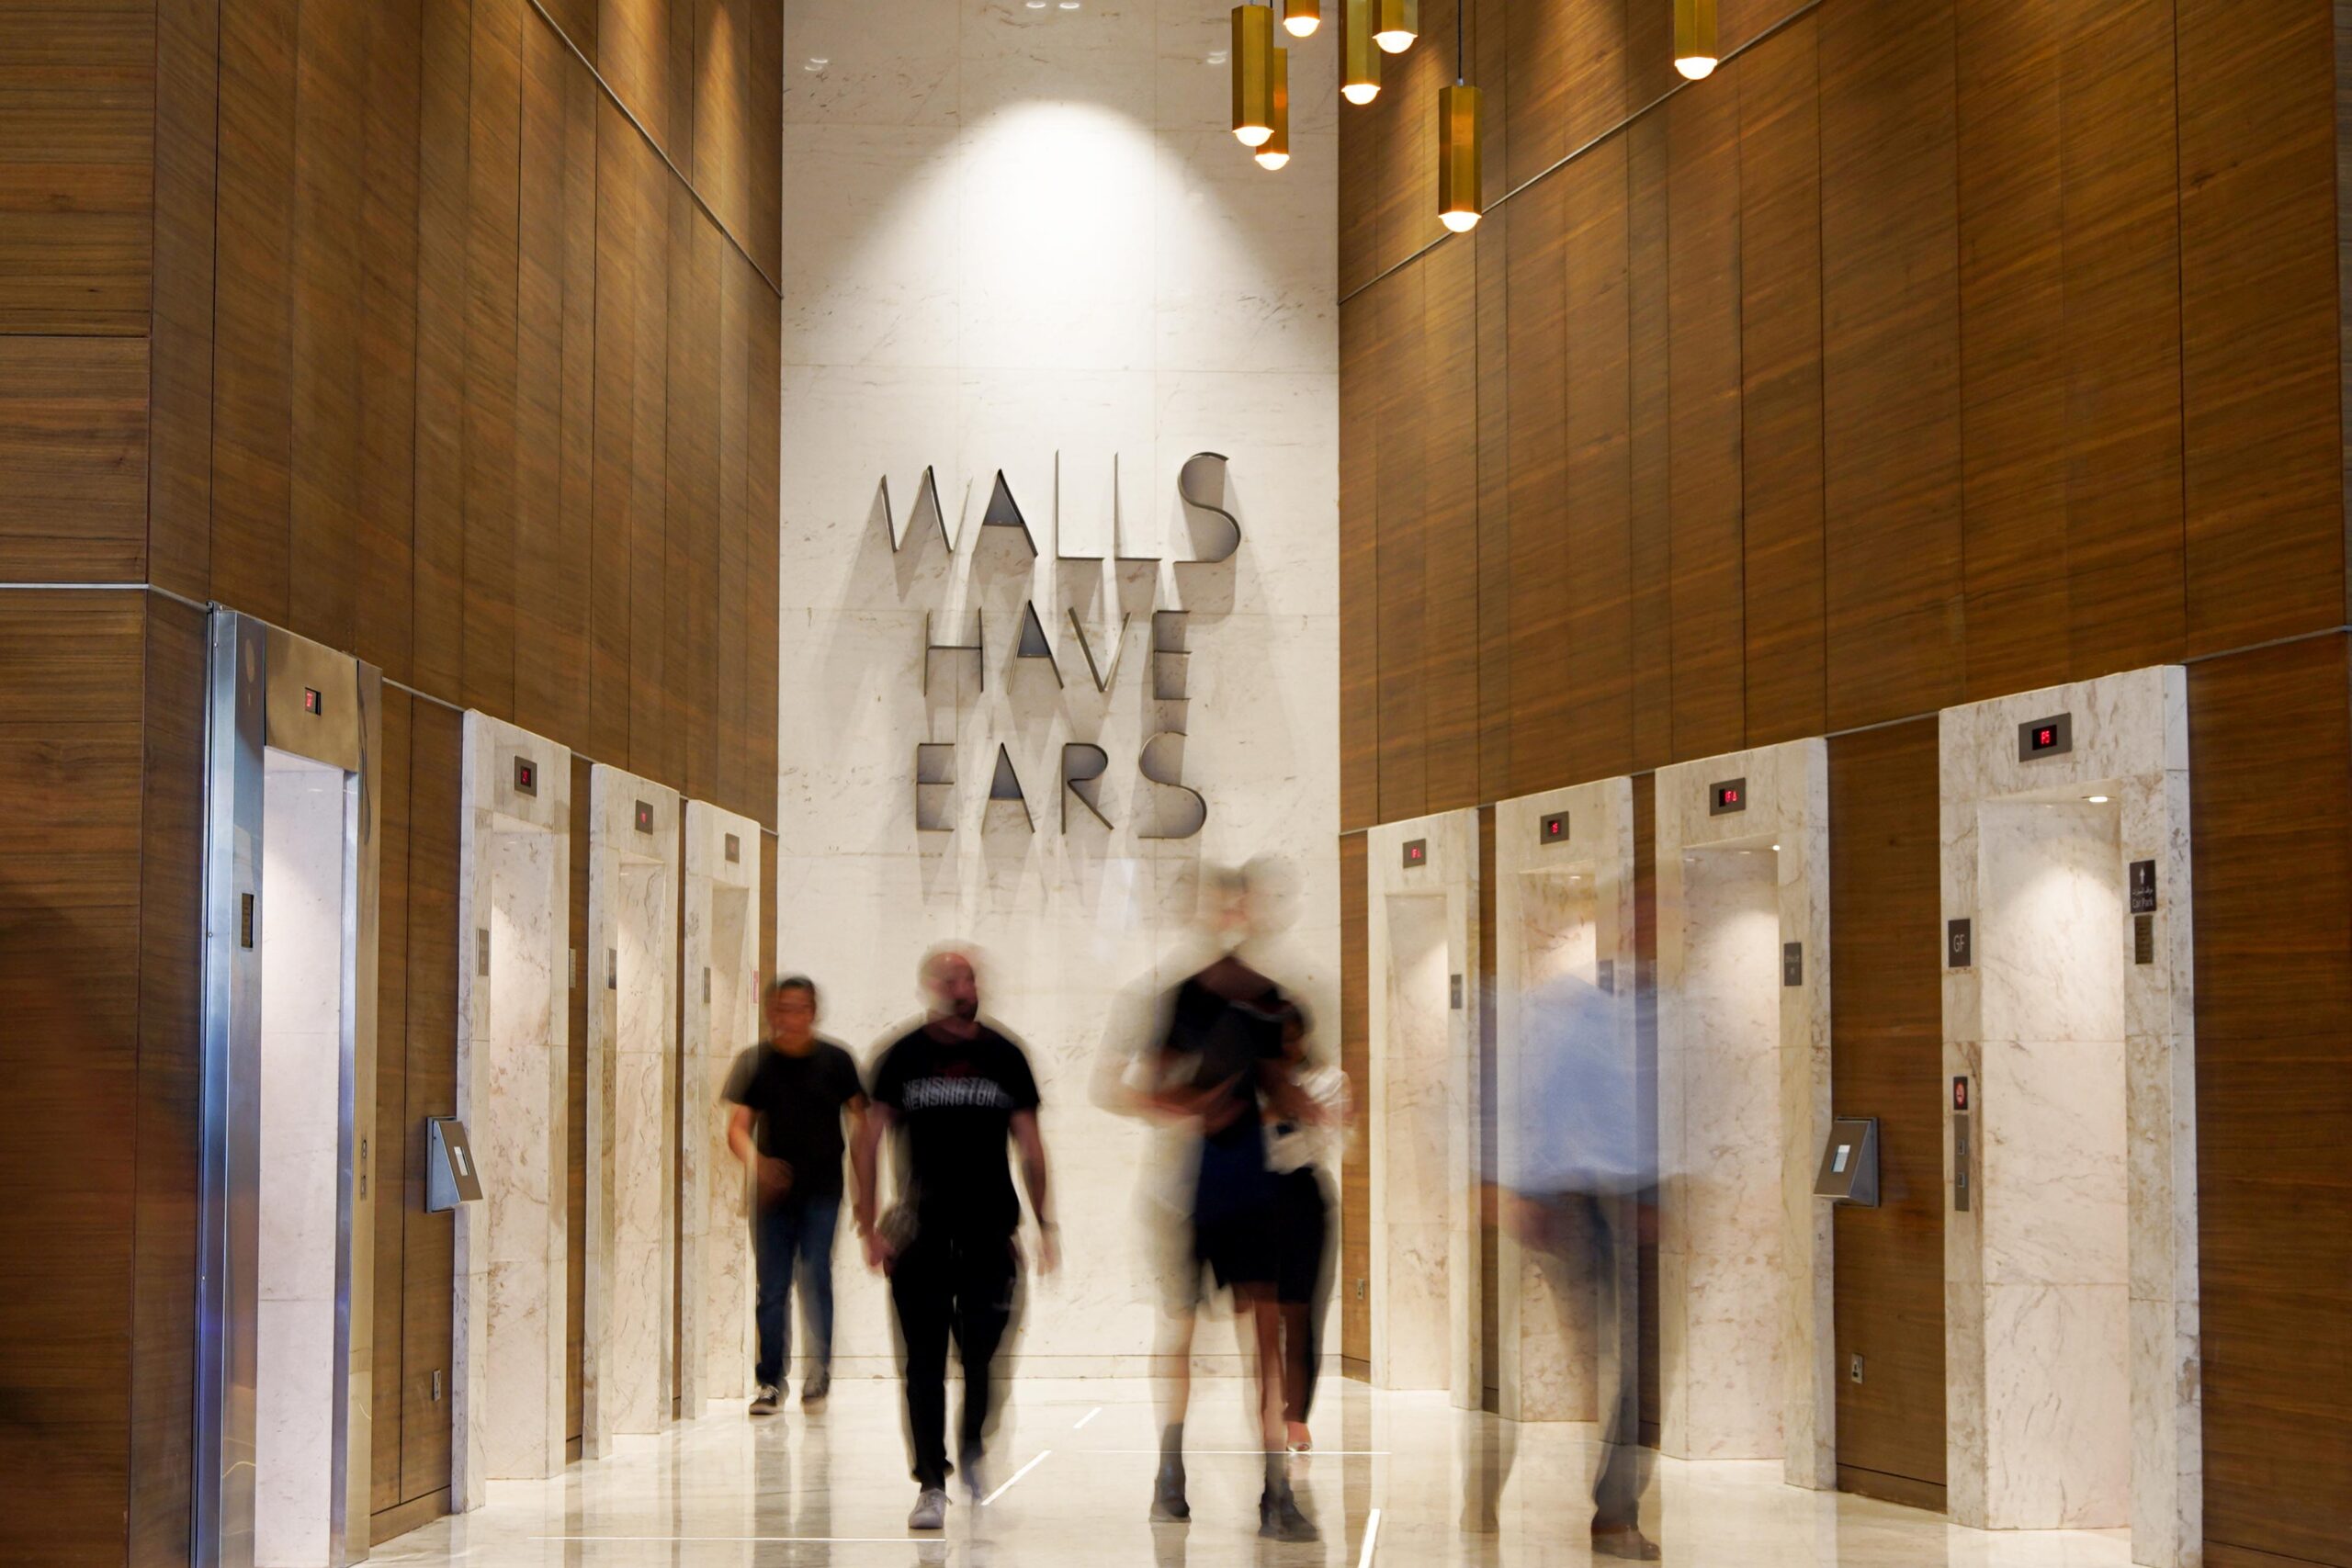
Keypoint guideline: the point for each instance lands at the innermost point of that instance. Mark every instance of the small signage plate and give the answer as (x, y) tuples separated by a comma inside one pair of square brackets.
[(734, 849), (1727, 797), (2144, 939), (1457, 992), (2143, 887), (2052, 737), (1555, 830), (1417, 853), (527, 776), (1959, 946), (1793, 963)]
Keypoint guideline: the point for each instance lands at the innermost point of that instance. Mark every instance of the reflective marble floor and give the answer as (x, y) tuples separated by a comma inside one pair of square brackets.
[(1072, 1465)]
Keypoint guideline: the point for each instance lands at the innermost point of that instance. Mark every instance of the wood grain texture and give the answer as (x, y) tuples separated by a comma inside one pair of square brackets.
[(77, 127), (385, 571), (179, 444), (1779, 397), (1495, 564), (1886, 1054), (493, 179), (73, 460), (1447, 425), (1404, 611), (1359, 567), (1594, 664), (550, 566), (1536, 384), (1648, 471), (171, 979), (392, 1174), (648, 411), (762, 587), (437, 626), (2274, 982), (1355, 1060)]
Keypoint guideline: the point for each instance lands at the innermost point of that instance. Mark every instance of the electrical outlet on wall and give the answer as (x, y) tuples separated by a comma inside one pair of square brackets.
[(1854, 1370)]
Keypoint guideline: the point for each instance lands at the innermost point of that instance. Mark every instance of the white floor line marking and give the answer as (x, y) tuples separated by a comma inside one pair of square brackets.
[(1017, 1474), (1371, 1538), (1251, 1453), (1085, 1418), (731, 1540)]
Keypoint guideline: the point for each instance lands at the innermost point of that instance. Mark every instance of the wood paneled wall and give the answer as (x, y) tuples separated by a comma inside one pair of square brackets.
[(441, 331), (1930, 349)]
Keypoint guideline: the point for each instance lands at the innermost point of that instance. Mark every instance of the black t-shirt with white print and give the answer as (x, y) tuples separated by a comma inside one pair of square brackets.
[(956, 1099)]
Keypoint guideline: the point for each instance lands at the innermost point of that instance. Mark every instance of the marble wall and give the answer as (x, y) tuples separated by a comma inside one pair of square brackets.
[(721, 1017), (1422, 1106), (1027, 242), (1744, 1278), (508, 1414), (1564, 904), (2071, 1281), (304, 807), (628, 1372)]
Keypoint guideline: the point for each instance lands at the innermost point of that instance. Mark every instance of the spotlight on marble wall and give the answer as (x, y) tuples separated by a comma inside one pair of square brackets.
[(629, 1375), (1564, 907), (1746, 1308), (305, 956), (2071, 1315), (1422, 1106), (513, 889), (722, 1017)]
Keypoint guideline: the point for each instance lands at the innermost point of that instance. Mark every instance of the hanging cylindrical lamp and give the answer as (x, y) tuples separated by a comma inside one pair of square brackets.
[(1253, 73), (1359, 57), (1399, 24), (1302, 16), (1694, 38), (1276, 150), (1461, 146)]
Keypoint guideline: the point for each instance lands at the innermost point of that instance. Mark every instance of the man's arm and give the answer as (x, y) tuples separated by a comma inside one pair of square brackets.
[(864, 1145), (1032, 1144), (738, 1134)]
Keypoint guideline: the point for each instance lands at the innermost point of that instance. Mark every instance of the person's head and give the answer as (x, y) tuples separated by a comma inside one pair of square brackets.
[(792, 1011), (951, 983)]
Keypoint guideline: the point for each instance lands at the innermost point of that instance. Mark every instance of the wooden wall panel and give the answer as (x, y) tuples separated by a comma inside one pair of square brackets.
[(693, 526), (731, 694), (1447, 427), (73, 460), (187, 113), (387, 242), (1359, 566), (1705, 589), (2274, 1055), (619, 215), (1535, 385), (1593, 666), (1496, 565), (635, 40), (437, 625), (171, 974), (569, 689), (77, 127), (1886, 1054), (1404, 545), (2262, 451), (72, 763), (493, 180), (1355, 1060), (763, 587), (1779, 397), (1890, 352), (392, 1174), (648, 411), (1647, 473)]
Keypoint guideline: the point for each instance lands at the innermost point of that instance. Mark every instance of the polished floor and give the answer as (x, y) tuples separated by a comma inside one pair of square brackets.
[(1071, 1475)]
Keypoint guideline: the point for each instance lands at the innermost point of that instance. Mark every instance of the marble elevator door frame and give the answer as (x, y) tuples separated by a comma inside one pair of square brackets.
[(284, 1351), (1746, 1310), (1422, 1105), (632, 978), (509, 1420), (2069, 1020)]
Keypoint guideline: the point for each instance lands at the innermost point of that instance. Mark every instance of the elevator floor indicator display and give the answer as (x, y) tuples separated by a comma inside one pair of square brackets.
[(2052, 737), (1727, 797)]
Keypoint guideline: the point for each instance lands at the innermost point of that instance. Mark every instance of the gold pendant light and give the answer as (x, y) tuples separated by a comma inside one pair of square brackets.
[(1461, 145), (1694, 38), (1460, 154), (1276, 150), (1359, 60), (1253, 73), (1302, 16), (1400, 24)]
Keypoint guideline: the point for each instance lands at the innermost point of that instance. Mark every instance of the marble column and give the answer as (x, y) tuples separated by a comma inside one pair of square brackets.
[(514, 887), (721, 973), (1746, 1313), (2071, 1280), (1564, 904), (1422, 1106), (630, 1370)]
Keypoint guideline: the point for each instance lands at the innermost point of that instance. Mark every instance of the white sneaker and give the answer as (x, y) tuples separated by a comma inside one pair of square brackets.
[(930, 1510)]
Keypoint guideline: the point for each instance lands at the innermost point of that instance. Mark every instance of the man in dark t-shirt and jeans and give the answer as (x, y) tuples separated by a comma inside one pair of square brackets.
[(785, 1099), (962, 1091)]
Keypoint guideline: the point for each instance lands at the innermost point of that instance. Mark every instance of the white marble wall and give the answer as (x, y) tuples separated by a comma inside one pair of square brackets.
[(1744, 1278), (302, 896), (1562, 907), (722, 936), (1421, 1107), (1028, 242), (513, 889), (628, 1372), (2070, 1284)]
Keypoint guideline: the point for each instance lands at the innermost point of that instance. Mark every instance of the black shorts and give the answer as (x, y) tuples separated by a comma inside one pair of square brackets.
[(1239, 1249), (1302, 1231)]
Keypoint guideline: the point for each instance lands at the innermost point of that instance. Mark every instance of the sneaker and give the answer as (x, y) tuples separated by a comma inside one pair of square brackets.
[(816, 1388), (1279, 1519), (768, 1400), (930, 1510)]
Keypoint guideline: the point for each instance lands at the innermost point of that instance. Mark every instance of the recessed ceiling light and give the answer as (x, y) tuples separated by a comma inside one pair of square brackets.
[(1069, 5), (1776, 849), (2095, 799), (1217, 58), (1036, 5)]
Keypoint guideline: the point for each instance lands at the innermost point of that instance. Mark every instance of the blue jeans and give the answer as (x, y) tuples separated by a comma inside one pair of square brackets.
[(795, 1231)]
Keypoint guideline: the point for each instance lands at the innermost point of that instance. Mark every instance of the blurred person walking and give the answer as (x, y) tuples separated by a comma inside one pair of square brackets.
[(1576, 1184), (786, 1101), (1305, 1158), (963, 1090)]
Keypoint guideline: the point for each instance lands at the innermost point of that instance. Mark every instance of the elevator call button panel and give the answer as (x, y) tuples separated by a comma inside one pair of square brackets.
[(1850, 1165), (1727, 797), (450, 1177), (2052, 737)]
